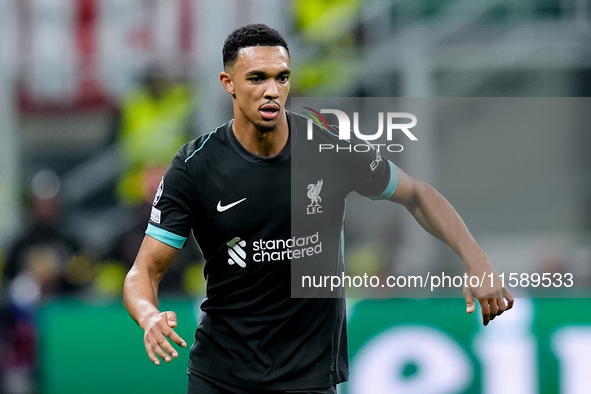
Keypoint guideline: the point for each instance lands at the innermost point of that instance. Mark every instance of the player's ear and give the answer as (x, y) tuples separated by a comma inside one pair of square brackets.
[(227, 83)]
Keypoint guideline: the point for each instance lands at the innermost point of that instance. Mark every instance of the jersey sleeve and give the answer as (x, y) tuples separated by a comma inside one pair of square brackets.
[(171, 216), (371, 175)]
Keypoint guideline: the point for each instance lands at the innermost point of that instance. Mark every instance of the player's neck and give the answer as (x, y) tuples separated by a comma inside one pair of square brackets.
[(264, 144)]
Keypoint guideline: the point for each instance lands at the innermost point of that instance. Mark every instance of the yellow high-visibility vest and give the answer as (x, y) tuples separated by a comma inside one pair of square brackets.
[(152, 130)]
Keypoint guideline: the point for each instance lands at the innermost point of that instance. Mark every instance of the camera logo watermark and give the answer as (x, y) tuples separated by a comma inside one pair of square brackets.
[(344, 129)]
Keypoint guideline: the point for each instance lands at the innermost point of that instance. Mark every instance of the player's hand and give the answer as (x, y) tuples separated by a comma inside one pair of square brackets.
[(156, 330), (494, 298)]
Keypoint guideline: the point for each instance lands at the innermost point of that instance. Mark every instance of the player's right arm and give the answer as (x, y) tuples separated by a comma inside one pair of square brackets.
[(140, 294)]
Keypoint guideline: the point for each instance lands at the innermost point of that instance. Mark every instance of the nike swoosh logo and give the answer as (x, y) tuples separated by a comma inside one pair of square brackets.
[(226, 207)]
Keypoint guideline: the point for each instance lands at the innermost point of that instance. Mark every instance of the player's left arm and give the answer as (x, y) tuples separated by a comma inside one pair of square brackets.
[(437, 216)]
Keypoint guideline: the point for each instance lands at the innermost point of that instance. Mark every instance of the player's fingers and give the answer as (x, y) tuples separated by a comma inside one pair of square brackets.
[(176, 338), (485, 311), (470, 305), (164, 344), (510, 302), (509, 297), (157, 347), (494, 308), (502, 305), (171, 318), (151, 354)]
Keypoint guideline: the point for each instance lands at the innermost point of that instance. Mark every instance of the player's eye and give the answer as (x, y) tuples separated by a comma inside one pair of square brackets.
[(284, 78), (256, 79)]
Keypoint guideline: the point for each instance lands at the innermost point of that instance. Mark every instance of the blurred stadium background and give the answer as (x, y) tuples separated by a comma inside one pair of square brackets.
[(96, 94)]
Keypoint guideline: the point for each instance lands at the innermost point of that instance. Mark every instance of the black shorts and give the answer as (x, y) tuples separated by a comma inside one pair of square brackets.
[(199, 385)]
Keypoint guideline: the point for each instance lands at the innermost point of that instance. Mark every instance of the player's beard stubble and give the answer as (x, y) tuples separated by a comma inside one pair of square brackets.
[(264, 127)]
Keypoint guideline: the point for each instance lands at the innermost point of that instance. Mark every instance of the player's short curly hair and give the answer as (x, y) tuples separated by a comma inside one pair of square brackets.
[(249, 36)]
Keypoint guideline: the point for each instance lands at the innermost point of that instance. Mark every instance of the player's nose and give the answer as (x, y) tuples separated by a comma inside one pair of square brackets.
[(272, 90)]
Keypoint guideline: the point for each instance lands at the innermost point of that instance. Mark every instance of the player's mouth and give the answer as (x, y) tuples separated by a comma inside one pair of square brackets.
[(269, 111)]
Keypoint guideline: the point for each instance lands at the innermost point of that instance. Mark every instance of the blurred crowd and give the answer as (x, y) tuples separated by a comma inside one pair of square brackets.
[(45, 261)]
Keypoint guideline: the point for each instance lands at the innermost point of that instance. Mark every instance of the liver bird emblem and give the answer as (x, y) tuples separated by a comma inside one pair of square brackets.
[(314, 193)]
